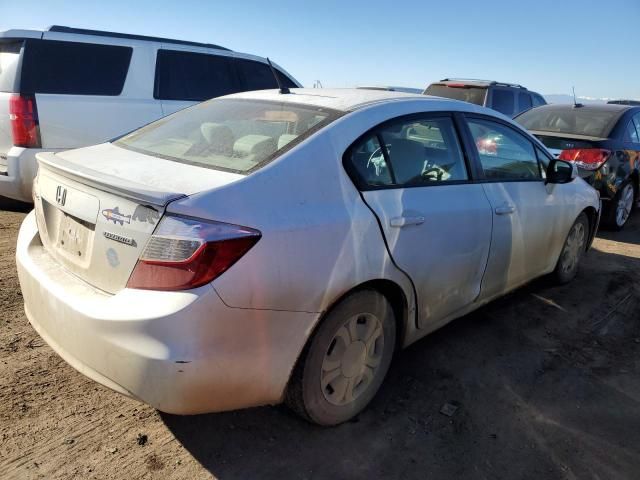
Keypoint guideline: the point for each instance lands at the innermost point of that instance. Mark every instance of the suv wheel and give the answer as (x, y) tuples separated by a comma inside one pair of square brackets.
[(343, 365)]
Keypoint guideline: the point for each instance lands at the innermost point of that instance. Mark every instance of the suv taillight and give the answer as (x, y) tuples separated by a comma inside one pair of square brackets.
[(185, 253), (586, 158), (23, 116)]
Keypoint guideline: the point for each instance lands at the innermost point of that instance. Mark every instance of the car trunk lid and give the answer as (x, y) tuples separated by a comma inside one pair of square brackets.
[(97, 207)]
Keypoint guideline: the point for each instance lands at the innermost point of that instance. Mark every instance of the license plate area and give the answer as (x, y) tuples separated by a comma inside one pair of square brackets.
[(75, 239)]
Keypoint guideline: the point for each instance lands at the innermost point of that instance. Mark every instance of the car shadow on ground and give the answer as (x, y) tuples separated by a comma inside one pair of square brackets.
[(545, 381), (10, 205)]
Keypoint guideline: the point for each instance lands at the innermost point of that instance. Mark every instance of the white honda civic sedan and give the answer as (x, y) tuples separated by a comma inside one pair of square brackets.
[(266, 247)]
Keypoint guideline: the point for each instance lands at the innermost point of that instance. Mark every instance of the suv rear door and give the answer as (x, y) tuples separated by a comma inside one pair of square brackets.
[(88, 89)]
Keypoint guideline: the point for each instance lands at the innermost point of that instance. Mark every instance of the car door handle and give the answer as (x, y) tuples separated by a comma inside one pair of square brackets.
[(400, 222), (505, 209)]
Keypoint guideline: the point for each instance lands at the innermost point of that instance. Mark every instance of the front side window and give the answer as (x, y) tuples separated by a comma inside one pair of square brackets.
[(415, 152), (193, 76), (503, 101), (504, 153), (237, 135), (73, 68)]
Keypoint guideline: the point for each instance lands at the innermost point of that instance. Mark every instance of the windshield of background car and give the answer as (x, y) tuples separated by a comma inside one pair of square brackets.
[(465, 93), (570, 120), (237, 135)]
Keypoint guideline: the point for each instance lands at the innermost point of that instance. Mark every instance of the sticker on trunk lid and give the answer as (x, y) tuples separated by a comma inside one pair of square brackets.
[(114, 215)]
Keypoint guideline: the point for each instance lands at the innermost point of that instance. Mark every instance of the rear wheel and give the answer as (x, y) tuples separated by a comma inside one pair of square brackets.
[(572, 251), (343, 366), (619, 210)]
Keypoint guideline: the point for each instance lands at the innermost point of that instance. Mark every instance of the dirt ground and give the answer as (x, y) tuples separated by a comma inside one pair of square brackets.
[(546, 381)]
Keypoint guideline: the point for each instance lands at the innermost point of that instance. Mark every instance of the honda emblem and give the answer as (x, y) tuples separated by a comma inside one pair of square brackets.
[(61, 195)]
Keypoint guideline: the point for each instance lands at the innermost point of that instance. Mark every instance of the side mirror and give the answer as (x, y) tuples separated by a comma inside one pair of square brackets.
[(560, 171)]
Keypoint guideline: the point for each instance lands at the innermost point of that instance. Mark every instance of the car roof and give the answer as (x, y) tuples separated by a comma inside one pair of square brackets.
[(473, 82), (350, 99), (103, 33)]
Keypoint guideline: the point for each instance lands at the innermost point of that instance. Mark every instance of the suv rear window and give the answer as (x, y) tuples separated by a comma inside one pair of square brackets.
[(577, 121), (193, 76), (465, 93), (9, 62), (237, 135), (73, 68)]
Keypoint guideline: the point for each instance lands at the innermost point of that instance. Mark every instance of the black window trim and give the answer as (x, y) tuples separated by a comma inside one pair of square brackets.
[(476, 156), (375, 131)]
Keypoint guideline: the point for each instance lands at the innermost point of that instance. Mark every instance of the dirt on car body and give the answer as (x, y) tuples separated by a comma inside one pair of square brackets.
[(543, 383)]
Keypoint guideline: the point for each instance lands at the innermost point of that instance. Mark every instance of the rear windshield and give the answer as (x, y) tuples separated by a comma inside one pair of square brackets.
[(9, 65), (466, 94), (73, 68), (570, 120), (237, 135)]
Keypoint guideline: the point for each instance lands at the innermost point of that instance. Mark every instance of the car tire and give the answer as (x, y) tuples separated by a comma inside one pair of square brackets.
[(619, 209), (344, 363), (572, 251)]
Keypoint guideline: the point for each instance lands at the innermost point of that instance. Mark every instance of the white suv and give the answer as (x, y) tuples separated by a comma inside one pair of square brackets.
[(65, 88)]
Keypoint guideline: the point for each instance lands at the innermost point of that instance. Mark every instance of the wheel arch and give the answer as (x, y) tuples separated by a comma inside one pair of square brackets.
[(593, 216)]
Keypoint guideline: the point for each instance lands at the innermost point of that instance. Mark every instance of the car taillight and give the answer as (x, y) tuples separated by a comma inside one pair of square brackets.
[(185, 253), (587, 158), (23, 117)]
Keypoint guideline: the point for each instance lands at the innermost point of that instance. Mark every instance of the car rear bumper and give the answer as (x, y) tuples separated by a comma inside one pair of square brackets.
[(18, 168), (180, 352)]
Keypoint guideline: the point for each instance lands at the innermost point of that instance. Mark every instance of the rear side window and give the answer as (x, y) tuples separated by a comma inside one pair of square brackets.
[(415, 152), (503, 101), (631, 134), (524, 101), (258, 75), (504, 153), (9, 64), (193, 76), (74, 68), (465, 93)]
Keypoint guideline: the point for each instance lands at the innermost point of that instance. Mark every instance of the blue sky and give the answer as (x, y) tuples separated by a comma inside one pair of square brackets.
[(546, 45)]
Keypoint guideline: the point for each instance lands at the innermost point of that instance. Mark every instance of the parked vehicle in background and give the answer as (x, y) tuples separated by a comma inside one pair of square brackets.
[(624, 102), (603, 140), (392, 89), (66, 87), (266, 246), (507, 98)]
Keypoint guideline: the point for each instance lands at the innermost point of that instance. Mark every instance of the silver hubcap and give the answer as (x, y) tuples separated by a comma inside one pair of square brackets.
[(624, 205), (574, 247), (352, 359)]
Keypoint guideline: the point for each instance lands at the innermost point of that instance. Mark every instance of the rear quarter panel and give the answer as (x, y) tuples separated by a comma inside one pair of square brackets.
[(319, 238)]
